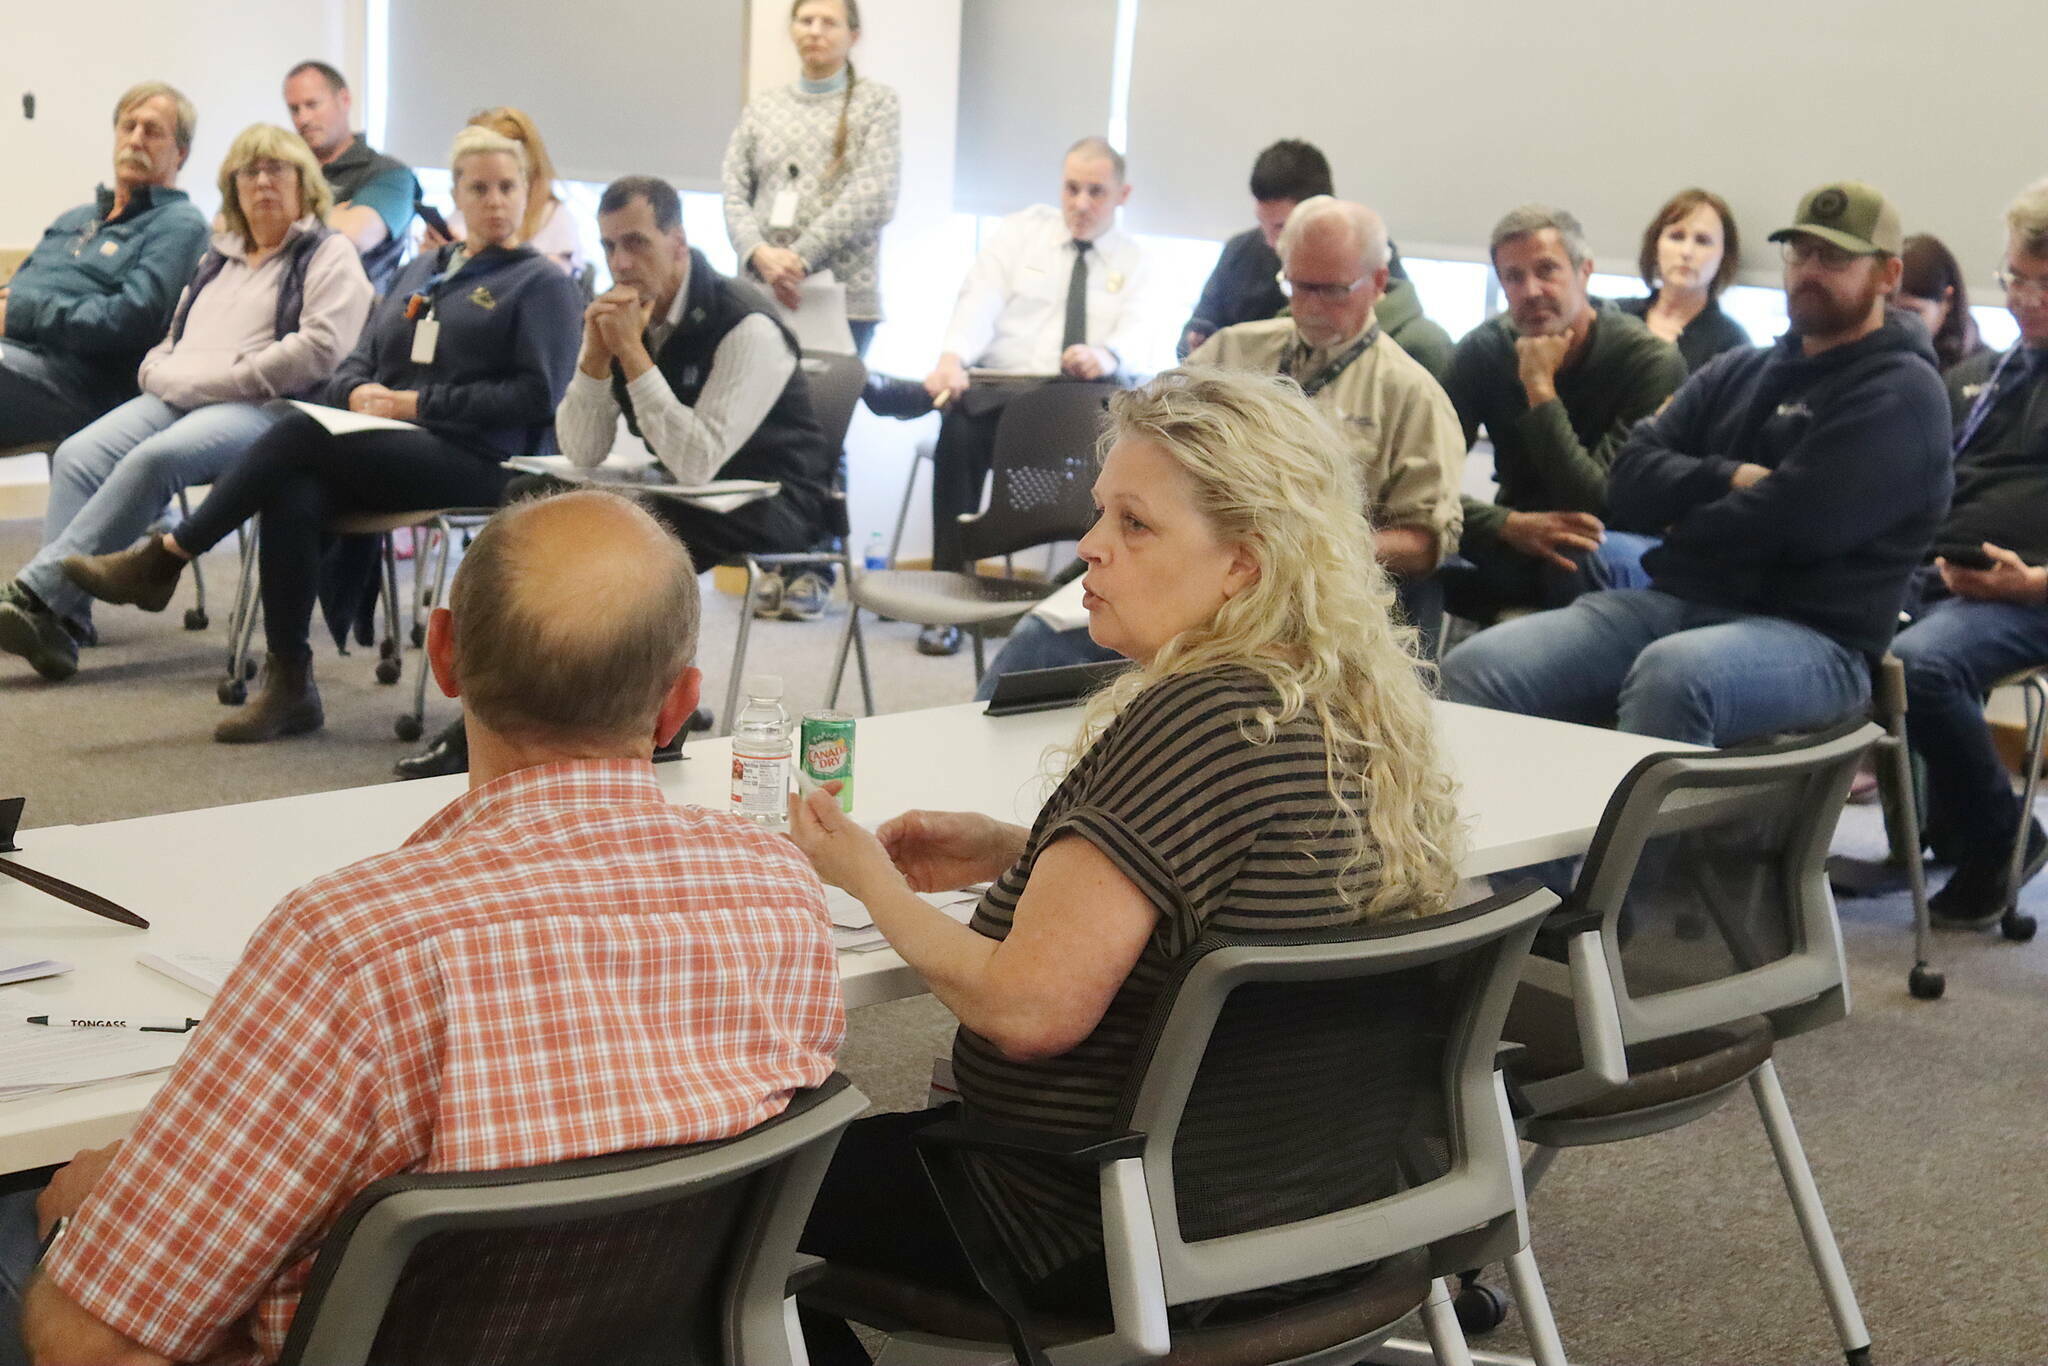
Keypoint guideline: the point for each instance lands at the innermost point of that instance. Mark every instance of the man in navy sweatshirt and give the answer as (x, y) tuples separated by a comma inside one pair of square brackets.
[(1797, 487)]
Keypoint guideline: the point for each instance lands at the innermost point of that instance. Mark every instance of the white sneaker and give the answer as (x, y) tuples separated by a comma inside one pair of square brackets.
[(768, 595), (805, 597)]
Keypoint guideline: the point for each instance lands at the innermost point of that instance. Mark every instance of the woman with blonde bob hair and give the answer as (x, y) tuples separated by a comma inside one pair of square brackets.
[(273, 307), (1269, 767), (468, 355)]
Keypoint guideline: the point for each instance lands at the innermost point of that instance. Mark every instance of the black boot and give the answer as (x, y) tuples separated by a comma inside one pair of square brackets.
[(288, 705)]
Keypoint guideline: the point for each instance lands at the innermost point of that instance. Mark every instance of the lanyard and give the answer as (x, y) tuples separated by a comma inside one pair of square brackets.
[(423, 299), (1310, 388), (1987, 399)]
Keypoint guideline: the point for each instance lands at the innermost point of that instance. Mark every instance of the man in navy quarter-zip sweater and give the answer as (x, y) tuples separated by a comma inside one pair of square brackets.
[(1797, 487)]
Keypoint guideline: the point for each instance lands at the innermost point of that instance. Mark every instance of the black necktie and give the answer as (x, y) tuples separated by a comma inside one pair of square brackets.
[(1076, 331)]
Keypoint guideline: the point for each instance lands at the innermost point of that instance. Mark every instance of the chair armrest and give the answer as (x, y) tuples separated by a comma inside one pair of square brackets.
[(1016, 1141), (804, 1272), (1504, 1059), (1570, 920)]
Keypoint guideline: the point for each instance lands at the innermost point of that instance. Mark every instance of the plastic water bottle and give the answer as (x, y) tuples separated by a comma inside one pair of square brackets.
[(877, 555), (761, 755)]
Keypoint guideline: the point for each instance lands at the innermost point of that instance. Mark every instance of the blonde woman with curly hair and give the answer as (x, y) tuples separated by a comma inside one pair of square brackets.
[(1269, 766), (275, 305)]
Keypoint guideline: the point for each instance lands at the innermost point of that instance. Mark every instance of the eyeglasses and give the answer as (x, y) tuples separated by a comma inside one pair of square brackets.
[(1800, 251), (2019, 286), (257, 170), (1328, 294)]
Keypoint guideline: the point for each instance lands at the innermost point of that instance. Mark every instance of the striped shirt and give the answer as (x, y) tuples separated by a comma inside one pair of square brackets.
[(1220, 832), (559, 964)]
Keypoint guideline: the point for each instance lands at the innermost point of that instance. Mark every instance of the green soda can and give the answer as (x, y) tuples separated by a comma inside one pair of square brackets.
[(827, 751)]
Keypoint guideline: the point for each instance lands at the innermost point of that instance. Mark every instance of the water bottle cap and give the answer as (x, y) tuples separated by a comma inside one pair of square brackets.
[(763, 685)]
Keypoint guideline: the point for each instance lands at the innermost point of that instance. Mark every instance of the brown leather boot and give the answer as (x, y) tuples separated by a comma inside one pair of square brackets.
[(288, 705), (144, 575)]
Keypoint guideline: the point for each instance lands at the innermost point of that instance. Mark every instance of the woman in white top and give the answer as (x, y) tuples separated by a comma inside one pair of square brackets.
[(812, 169), (276, 304), (548, 227)]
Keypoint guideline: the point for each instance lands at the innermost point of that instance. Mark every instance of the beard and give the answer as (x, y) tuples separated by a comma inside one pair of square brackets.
[(1815, 311)]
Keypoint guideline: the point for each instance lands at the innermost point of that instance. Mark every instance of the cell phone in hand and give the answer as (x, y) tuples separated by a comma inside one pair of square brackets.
[(1966, 556), (431, 216)]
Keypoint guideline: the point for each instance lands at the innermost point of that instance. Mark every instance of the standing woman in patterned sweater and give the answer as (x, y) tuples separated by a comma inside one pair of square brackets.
[(811, 172)]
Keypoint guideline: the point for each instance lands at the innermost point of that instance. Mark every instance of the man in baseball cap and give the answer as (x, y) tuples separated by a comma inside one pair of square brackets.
[(1797, 488)]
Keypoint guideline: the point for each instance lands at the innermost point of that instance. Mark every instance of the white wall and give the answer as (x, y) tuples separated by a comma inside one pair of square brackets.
[(228, 56)]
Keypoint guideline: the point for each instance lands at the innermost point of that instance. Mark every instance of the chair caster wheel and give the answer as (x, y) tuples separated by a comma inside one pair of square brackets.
[(2016, 927), (195, 619), (249, 668), (232, 692), (387, 670), (1480, 1308), (1925, 983), (419, 635), (406, 728), (387, 648)]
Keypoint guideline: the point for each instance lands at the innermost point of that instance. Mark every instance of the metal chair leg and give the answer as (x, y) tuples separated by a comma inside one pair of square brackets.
[(847, 637), (1446, 1339), (195, 615), (1924, 982), (234, 685), (2017, 927), (922, 454), (739, 648), (980, 664), (1813, 1219), (860, 651), (1530, 1298), (435, 548)]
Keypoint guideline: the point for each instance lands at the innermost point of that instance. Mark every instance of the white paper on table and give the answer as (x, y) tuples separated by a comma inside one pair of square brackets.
[(203, 972), (819, 318), (341, 422), (29, 972), (850, 915), (37, 1057)]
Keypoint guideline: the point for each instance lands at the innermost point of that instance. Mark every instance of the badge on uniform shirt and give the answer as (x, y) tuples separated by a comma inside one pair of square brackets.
[(109, 248), (1113, 282), (483, 298), (426, 335), (782, 209)]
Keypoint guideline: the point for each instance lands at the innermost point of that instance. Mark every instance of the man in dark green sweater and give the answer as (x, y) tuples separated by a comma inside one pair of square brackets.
[(1556, 381)]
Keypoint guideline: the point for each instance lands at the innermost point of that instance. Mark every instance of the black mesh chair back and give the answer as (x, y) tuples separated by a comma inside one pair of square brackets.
[(658, 1256), (1702, 912), (1317, 1105), (835, 382), (1044, 470)]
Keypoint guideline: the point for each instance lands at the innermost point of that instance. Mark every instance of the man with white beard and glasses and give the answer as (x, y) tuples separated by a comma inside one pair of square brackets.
[(1797, 488)]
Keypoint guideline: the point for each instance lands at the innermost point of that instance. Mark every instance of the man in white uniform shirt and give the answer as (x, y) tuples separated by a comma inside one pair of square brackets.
[(1056, 292)]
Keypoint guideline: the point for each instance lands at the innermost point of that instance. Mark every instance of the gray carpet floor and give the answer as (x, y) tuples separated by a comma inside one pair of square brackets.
[(1923, 1122)]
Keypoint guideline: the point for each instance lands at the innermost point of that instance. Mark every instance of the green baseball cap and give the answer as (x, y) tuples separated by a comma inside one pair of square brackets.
[(1852, 215)]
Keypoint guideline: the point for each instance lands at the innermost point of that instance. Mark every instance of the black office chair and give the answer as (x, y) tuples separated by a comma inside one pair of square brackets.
[(659, 1256), (1700, 934), (1041, 493), (1314, 1134)]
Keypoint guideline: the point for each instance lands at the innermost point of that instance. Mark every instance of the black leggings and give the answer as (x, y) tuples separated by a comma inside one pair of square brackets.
[(299, 477), (876, 1209)]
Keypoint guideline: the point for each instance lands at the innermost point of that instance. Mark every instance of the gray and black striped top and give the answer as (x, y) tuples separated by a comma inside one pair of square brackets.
[(1219, 832)]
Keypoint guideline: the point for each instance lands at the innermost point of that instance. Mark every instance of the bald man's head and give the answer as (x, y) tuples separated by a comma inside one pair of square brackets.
[(574, 616)]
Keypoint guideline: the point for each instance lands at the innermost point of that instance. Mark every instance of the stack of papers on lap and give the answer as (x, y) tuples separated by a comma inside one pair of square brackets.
[(651, 477), (342, 422), (37, 1058), (853, 929)]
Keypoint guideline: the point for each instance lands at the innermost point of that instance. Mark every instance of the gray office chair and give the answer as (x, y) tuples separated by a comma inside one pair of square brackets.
[(835, 382), (1044, 475), (1700, 934), (433, 550), (1317, 1116), (664, 1255)]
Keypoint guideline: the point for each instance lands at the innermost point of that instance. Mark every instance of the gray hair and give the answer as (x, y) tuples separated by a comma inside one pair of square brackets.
[(1097, 146), (1365, 226), (576, 652), (2026, 218), (184, 117), (1531, 218)]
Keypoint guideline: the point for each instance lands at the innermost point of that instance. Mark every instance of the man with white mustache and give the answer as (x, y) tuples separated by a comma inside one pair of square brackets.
[(97, 291), (1556, 381)]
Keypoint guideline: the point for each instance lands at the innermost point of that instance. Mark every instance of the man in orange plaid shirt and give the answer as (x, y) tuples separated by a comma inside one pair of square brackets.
[(559, 964)]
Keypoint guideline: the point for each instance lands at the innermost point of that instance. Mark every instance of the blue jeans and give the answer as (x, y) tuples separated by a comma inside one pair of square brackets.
[(39, 401), (18, 1244), (111, 480), (1035, 645), (1658, 665), (1953, 654)]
